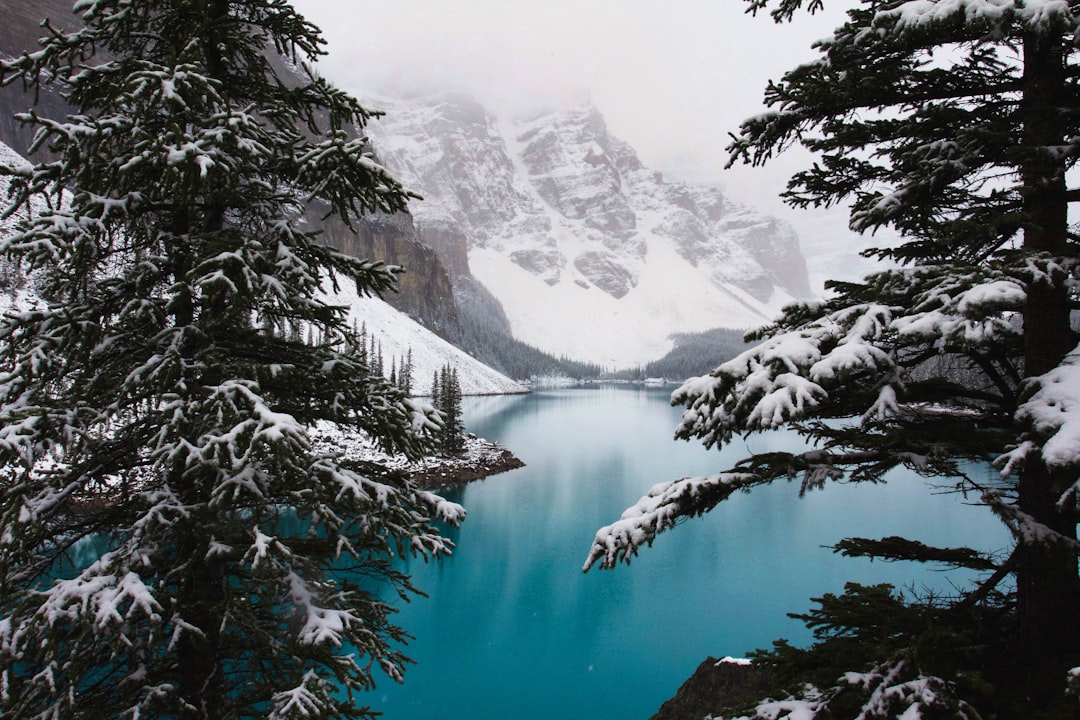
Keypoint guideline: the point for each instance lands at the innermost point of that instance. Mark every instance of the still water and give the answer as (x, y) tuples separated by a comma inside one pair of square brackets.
[(513, 629)]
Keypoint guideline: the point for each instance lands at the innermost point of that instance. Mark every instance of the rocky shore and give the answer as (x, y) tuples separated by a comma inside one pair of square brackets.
[(715, 686), (480, 459)]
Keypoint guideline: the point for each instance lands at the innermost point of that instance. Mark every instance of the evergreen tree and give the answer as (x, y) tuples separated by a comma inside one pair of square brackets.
[(405, 377), (362, 346), (172, 543), (956, 124), (454, 427), (446, 396), (377, 358)]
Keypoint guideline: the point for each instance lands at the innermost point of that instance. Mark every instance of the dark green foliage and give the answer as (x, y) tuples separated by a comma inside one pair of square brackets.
[(870, 632), (956, 124), (175, 541), (405, 373), (898, 548), (697, 354), (486, 336), (519, 360), (446, 397)]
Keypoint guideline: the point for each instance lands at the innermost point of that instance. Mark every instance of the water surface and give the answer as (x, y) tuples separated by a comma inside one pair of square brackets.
[(514, 629)]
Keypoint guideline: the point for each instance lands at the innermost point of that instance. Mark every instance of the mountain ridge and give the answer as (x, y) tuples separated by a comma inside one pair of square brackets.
[(591, 255)]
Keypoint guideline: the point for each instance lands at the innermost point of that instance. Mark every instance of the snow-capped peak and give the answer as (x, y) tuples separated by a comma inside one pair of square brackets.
[(592, 255)]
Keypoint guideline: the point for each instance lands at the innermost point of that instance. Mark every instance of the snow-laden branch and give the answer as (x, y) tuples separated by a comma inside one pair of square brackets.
[(891, 689), (661, 509), (105, 595), (321, 624), (849, 354), (956, 314), (311, 698), (1036, 15), (820, 364), (787, 377), (1052, 411)]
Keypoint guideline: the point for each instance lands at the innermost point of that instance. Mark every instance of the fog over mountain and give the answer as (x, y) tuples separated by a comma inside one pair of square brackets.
[(672, 79), (548, 225)]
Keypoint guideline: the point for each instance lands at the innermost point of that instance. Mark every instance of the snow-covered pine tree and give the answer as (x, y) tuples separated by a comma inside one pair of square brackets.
[(446, 397), (405, 376), (956, 124), (362, 345), (453, 428), (172, 544)]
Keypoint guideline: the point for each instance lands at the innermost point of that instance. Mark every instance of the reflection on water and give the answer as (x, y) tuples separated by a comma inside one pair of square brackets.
[(513, 629)]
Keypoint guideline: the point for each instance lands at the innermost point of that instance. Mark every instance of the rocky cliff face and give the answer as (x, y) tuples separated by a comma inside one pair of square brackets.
[(554, 212), (424, 289)]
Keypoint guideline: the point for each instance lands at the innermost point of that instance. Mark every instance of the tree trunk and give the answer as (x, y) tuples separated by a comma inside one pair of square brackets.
[(200, 590), (1048, 590), (202, 685)]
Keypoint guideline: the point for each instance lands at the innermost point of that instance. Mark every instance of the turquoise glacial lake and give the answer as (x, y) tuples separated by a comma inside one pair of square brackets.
[(512, 628)]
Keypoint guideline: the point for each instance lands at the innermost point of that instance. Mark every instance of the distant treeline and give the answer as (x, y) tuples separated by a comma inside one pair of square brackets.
[(693, 354), (698, 353)]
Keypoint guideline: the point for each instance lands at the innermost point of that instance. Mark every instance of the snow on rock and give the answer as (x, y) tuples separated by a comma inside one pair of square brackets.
[(10, 159), (479, 459), (728, 660), (592, 255)]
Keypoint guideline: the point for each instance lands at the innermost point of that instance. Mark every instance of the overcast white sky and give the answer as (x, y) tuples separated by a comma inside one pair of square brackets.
[(672, 78)]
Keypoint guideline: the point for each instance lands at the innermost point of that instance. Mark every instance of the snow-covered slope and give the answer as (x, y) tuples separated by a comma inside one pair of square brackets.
[(592, 255), (11, 159), (396, 332)]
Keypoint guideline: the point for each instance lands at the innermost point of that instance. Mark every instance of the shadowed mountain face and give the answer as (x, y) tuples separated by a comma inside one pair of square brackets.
[(425, 291), (22, 21), (19, 33)]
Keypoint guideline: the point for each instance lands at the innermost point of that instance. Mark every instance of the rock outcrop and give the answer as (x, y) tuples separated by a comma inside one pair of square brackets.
[(424, 290), (716, 685)]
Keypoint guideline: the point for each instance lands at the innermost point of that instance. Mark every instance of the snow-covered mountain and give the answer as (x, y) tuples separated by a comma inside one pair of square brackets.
[(395, 331), (592, 255)]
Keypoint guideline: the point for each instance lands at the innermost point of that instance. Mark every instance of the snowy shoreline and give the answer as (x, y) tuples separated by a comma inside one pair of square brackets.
[(480, 458)]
